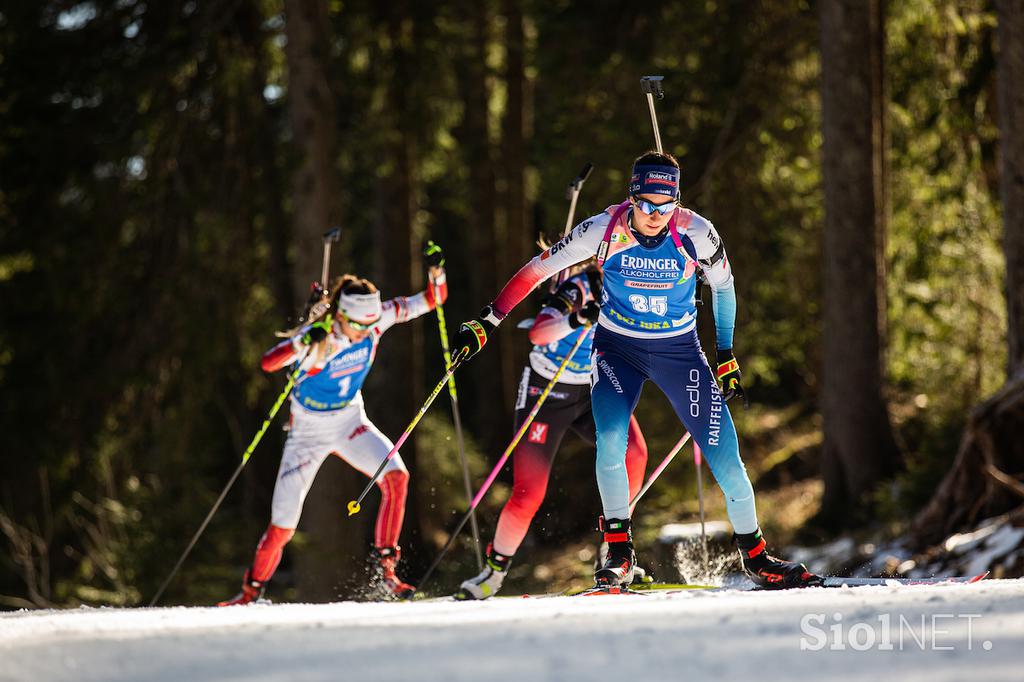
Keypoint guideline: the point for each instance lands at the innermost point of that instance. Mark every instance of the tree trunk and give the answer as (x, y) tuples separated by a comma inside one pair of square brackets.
[(479, 378), (1011, 145), (327, 561), (981, 483), (859, 448), (518, 236), (984, 479)]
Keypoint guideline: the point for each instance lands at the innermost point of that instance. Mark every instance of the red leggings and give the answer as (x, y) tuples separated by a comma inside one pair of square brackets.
[(393, 487), (567, 407)]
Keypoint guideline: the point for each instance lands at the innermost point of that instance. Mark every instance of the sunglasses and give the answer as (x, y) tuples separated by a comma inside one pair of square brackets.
[(648, 208), (358, 326)]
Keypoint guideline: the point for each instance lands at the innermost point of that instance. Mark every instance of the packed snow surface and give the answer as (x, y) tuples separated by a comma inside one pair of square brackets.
[(933, 633)]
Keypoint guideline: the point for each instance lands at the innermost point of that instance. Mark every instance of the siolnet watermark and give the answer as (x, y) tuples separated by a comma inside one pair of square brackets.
[(891, 632)]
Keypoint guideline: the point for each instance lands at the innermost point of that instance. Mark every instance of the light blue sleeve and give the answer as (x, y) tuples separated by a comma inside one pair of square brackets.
[(725, 315)]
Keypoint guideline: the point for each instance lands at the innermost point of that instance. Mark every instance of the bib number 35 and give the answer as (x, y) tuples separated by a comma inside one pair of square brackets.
[(649, 304)]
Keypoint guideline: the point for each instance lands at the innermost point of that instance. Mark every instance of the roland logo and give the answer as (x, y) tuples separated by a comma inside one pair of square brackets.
[(658, 175)]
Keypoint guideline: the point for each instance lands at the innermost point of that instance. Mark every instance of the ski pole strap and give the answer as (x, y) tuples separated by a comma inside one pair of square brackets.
[(728, 366)]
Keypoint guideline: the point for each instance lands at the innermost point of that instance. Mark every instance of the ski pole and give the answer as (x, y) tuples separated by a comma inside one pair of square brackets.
[(355, 505), (238, 470), (657, 472), (651, 85), (456, 416), (504, 457), (572, 193), (700, 498)]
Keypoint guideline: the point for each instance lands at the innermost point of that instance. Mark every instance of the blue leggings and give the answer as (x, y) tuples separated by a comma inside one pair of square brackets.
[(677, 365)]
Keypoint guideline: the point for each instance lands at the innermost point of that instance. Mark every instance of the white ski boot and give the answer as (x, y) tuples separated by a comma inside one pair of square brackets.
[(489, 581)]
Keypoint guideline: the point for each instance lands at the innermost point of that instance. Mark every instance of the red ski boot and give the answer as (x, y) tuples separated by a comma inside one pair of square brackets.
[(387, 559), (252, 590)]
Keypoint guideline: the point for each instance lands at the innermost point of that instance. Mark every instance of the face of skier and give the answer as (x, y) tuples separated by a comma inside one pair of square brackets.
[(351, 333), (650, 224)]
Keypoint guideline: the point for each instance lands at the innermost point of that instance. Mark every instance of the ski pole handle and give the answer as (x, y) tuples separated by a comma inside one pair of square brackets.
[(354, 505)]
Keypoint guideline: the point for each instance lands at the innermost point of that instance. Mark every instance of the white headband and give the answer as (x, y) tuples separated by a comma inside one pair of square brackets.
[(364, 308)]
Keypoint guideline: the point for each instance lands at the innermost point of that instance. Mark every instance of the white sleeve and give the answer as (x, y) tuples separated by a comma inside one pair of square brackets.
[(710, 252), (401, 309)]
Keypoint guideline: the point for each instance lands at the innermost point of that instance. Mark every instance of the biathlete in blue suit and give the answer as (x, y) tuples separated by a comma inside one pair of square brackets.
[(650, 248)]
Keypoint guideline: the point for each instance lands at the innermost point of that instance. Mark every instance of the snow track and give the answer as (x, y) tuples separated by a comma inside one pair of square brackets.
[(682, 636)]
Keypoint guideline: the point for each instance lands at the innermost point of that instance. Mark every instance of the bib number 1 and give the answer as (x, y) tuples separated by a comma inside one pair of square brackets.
[(649, 304)]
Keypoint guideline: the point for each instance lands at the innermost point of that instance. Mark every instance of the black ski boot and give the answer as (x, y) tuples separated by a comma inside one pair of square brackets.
[(766, 571), (620, 564)]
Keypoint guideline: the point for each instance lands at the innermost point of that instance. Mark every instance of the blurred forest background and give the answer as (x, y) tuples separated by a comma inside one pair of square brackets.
[(167, 168)]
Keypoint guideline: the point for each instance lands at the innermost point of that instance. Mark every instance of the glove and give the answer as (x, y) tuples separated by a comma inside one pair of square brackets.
[(433, 256), (318, 332), (729, 374), (587, 315), (473, 335)]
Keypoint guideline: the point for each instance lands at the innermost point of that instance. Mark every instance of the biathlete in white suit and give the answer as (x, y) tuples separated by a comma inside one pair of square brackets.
[(650, 248), (328, 418)]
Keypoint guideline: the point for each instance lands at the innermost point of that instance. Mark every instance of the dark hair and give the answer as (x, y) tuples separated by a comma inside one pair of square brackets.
[(351, 284), (652, 157)]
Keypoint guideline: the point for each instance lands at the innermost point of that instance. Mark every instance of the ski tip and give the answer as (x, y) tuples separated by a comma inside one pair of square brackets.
[(353, 508), (980, 576)]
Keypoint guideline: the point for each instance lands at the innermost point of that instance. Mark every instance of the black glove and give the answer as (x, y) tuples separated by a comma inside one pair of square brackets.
[(433, 256), (565, 298), (473, 335), (317, 333), (729, 374), (588, 315)]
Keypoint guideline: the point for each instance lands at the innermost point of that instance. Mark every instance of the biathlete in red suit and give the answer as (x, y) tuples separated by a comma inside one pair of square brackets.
[(554, 333)]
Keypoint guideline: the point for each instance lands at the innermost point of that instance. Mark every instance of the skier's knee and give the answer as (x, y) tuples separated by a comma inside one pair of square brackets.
[(396, 479), (526, 500), (275, 537)]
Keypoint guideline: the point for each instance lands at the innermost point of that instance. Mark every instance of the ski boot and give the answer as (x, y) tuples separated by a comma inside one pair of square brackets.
[(252, 591), (620, 564), (386, 559), (640, 574), (766, 571), (490, 579)]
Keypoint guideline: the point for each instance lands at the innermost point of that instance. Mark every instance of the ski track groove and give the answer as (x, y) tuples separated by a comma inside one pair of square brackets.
[(681, 636)]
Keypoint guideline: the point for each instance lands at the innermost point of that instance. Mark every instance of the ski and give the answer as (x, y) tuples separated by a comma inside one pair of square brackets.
[(599, 591), (862, 582)]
